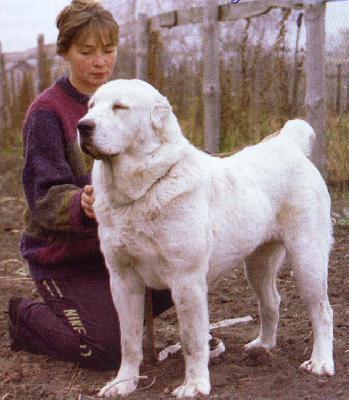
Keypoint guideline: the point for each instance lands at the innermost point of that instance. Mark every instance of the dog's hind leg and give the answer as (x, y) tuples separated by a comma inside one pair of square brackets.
[(189, 294), (310, 263), (261, 269)]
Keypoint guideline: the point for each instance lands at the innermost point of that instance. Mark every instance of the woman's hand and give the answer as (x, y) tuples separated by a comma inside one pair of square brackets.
[(87, 200)]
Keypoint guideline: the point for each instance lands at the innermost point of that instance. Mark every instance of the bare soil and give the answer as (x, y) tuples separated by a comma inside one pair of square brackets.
[(234, 375)]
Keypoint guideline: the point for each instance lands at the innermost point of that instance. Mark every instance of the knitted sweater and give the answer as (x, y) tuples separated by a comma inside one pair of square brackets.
[(58, 238)]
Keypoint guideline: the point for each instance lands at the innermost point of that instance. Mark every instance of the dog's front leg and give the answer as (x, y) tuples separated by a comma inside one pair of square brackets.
[(128, 294), (189, 293)]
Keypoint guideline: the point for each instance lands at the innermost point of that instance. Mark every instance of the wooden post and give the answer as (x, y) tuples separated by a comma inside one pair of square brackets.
[(150, 352), (339, 88), (2, 94), (347, 104), (211, 90), (296, 72), (5, 117), (43, 65), (142, 47), (315, 69)]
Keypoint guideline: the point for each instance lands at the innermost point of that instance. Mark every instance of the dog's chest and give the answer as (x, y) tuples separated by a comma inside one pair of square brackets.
[(132, 229), (142, 243)]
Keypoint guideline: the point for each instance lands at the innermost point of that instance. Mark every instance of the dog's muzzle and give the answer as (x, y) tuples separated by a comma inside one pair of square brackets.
[(86, 128)]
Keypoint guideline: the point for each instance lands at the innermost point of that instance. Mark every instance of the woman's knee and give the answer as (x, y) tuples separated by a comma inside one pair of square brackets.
[(101, 358)]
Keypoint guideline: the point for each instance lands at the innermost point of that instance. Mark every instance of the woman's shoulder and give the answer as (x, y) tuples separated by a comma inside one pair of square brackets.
[(44, 103), (56, 100)]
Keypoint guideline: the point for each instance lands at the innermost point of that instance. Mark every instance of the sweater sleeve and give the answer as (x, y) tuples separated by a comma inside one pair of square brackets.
[(50, 186)]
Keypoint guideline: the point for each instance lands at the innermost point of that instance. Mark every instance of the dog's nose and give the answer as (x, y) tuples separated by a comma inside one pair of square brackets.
[(86, 127)]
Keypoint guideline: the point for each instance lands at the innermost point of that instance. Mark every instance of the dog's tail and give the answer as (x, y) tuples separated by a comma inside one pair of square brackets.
[(300, 133)]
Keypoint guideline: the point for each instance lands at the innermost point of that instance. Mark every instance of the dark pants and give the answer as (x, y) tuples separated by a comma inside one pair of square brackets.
[(77, 321)]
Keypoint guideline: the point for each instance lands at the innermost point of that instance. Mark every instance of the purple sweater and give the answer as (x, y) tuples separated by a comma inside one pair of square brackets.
[(58, 239)]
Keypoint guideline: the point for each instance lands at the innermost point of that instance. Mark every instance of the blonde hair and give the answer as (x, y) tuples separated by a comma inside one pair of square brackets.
[(81, 19)]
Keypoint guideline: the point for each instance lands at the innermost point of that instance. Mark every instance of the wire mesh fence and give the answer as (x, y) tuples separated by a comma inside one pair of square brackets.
[(261, 74)]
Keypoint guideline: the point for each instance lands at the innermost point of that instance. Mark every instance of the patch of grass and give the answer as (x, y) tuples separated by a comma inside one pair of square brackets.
[(11, 144), (234, 135), (338, 151)]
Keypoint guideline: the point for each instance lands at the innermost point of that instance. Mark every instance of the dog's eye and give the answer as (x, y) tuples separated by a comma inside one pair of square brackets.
[(91, 105), (119, 106)]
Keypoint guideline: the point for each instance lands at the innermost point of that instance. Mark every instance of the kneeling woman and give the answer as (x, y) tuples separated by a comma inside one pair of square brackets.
[(76, 321)]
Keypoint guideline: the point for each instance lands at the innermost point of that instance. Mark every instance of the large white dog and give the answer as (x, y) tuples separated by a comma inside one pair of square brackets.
[(171, 216)]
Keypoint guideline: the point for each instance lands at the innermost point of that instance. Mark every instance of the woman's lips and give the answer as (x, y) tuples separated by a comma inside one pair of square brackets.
[(99, 74)]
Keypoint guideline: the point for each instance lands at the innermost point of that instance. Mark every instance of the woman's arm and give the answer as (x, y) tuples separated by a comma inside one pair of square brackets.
[(53, 194)]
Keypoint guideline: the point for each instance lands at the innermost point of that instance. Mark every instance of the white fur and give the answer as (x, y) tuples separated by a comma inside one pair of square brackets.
[(171, 216)]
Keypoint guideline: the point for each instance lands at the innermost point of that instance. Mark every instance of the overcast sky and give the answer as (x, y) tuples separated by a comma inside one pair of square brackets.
[(22, 20)]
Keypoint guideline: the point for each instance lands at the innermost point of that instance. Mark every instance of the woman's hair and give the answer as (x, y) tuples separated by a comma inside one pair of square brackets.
[(82, 18)]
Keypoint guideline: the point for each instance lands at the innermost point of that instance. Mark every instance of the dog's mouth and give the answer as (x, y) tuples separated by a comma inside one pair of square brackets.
[(89, 149)]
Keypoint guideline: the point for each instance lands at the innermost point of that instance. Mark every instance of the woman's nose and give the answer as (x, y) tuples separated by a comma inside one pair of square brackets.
[(99, 58), (99, 61)]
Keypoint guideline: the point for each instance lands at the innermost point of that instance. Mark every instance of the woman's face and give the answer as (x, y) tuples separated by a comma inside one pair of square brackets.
[(91, 64)]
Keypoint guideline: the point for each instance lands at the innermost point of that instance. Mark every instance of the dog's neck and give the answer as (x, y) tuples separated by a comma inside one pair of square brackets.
[(134, 177)]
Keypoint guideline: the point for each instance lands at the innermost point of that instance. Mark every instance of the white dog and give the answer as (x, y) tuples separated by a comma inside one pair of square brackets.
[(171, 216)]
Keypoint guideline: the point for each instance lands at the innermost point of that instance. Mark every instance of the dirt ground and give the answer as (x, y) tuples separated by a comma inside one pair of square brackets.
[(233, 375)]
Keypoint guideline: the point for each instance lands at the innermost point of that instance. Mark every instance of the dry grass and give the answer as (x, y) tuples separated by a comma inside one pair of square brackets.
[(338, 151)]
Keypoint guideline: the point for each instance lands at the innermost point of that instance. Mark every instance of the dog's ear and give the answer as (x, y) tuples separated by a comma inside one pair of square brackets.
[(160, 116)]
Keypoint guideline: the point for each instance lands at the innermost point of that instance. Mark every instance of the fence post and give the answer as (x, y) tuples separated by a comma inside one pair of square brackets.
[(142, 47), (43, 65), (296, 72), (211, 90), (2, 93), (5, 117), (339, 88), (347, 87), (142, 55), (315, 69)]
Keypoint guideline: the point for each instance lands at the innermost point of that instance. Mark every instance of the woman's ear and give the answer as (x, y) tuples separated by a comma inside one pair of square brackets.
[(65, 56)]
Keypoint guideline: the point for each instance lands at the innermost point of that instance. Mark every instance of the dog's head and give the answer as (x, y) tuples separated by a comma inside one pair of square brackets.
[(126, 115)]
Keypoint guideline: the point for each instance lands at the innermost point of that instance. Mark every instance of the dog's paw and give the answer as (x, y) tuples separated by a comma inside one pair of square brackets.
[(193, 388), (259, 353), (318, 367), (258, 346), (118, 387)]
